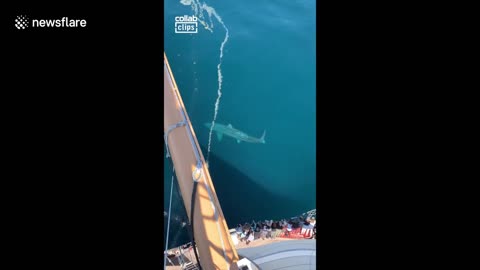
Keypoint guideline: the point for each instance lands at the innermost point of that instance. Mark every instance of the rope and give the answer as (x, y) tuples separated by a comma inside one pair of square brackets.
[(168, 222), (192, 208)]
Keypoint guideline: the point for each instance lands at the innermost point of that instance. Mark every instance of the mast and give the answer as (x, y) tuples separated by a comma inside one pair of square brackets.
[(212, 237)]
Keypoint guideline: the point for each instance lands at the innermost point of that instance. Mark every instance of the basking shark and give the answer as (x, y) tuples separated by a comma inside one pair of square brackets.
[(234, 133)]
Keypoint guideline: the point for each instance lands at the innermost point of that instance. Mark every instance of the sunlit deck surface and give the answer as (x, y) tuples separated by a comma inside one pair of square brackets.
[(190, 257), (279, 253), (285, 255)]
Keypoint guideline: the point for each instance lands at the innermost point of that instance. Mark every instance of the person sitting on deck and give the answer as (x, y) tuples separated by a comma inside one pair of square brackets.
[(238, 230), (274, 232), (269, 232), (263, 234), (242, 236), (289, 229), (307, 229), (279, 228), (250, 236), (254, 225)]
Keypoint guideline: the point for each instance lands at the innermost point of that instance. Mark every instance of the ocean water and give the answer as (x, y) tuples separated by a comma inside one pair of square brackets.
[(266, 82)]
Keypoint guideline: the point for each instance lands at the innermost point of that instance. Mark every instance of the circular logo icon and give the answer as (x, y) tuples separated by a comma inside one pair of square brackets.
[(21, 22)]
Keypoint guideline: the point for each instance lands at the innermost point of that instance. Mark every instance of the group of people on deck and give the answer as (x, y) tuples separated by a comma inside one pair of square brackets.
[(272, 229)]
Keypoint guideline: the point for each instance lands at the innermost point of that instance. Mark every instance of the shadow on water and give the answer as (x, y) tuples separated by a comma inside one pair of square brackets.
[(244, 200)]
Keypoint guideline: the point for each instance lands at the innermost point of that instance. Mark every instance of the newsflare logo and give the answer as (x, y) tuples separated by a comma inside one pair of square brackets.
[(22, 22)]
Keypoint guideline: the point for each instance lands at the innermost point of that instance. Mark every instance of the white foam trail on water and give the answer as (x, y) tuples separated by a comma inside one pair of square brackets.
[(198, 9), (219, 91)]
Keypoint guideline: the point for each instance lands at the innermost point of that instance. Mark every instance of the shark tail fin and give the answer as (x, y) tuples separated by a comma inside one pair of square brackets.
[(263, 136)]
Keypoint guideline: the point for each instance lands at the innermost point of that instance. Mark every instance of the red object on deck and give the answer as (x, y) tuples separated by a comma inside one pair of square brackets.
[(307, 233), (294, 233), (297, 233)]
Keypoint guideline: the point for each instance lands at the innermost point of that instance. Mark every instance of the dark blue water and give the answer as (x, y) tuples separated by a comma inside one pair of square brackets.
[(268, 83)]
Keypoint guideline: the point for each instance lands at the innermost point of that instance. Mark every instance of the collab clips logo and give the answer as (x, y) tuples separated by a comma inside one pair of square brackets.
[(22, 22), (186, 24)]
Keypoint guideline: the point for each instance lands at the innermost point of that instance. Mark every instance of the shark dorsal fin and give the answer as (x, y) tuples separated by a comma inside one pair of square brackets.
[(230, 126), (219, 136)]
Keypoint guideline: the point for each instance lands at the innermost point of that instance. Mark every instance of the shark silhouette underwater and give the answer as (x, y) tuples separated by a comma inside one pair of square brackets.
[(230, 131)]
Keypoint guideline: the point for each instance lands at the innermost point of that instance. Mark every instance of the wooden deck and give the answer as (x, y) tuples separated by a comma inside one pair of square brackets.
[(215, 247)]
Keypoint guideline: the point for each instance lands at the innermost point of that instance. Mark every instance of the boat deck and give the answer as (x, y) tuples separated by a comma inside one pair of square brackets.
[(188, 255)]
